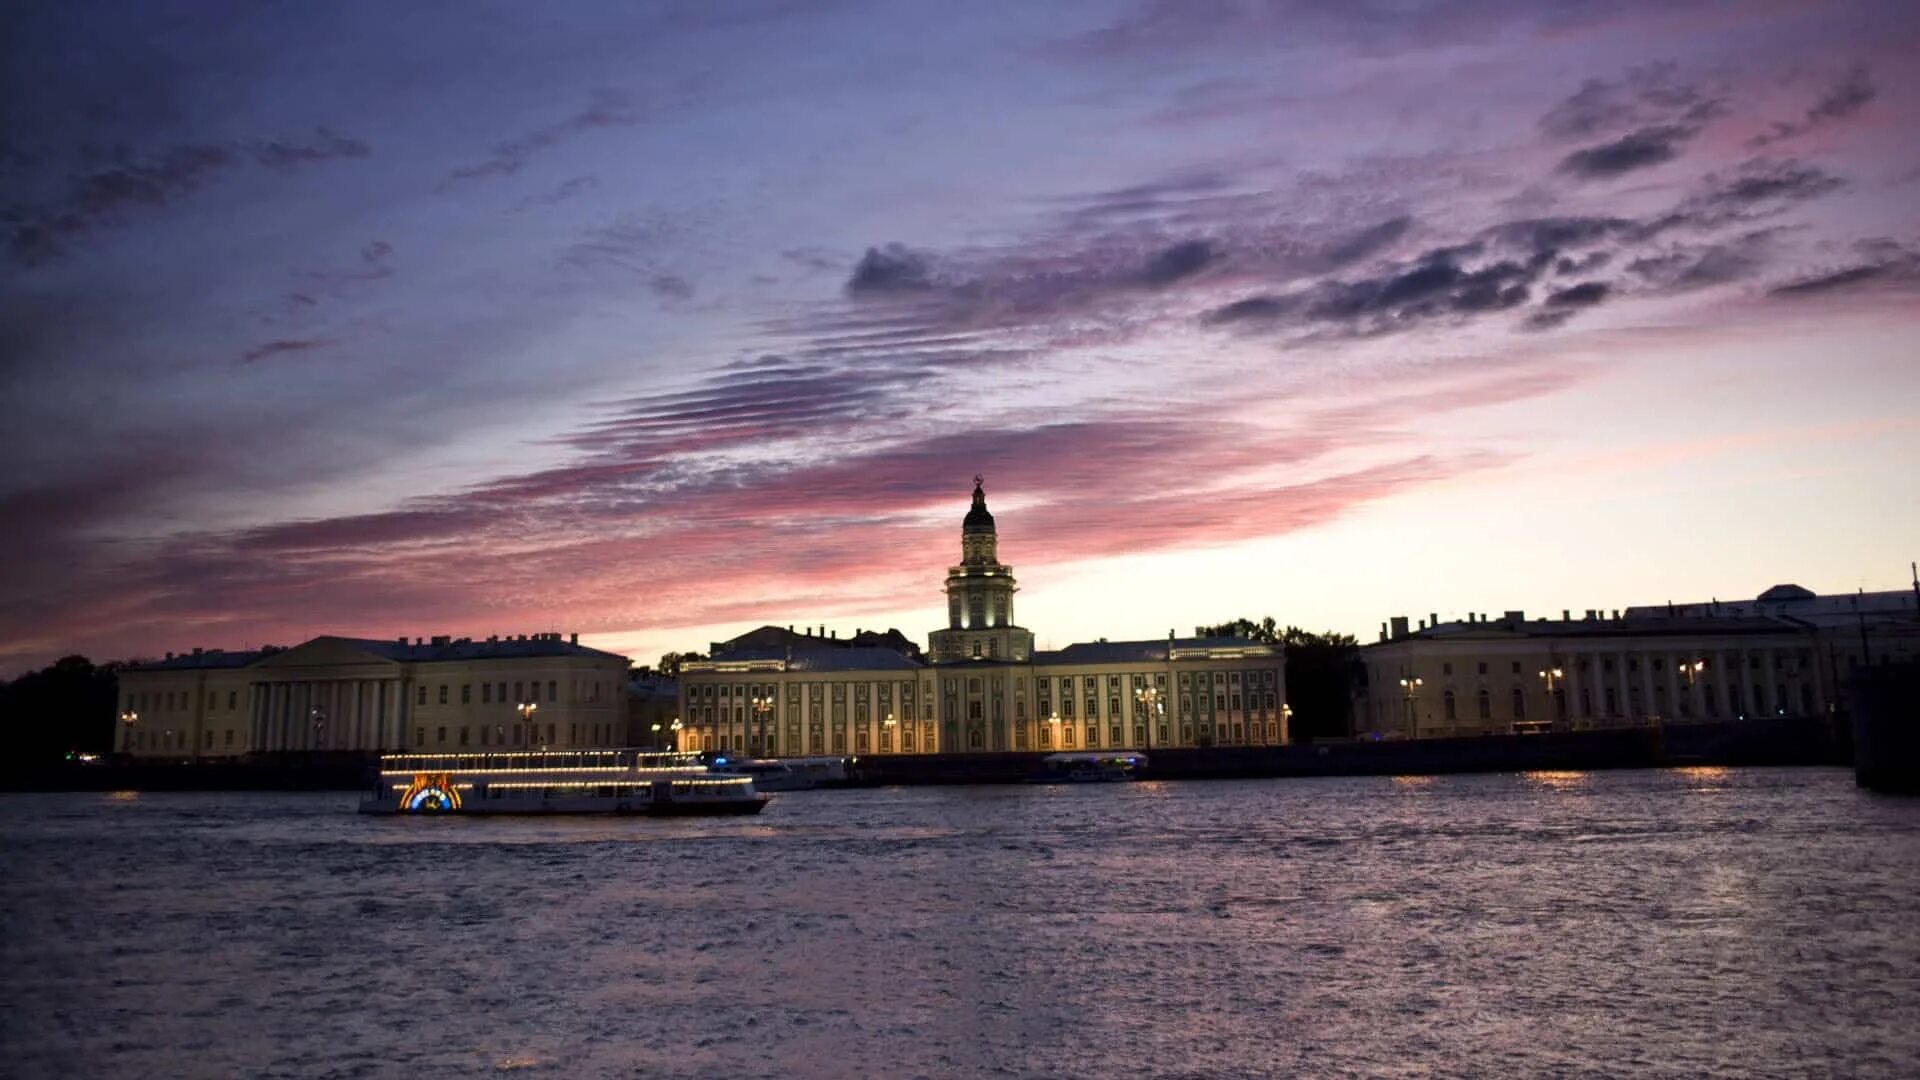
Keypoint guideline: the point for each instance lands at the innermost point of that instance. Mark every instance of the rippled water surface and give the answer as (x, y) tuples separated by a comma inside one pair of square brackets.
[(1680, 923)]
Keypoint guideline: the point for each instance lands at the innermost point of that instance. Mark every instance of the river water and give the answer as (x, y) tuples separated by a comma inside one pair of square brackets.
[(1702, 922)]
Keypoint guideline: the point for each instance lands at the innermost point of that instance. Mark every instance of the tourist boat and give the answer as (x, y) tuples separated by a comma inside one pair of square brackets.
[(1090, 767), (558, 782)]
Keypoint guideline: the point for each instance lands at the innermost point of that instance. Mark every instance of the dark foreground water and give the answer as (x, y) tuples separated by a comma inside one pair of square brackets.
[(1682, 923)]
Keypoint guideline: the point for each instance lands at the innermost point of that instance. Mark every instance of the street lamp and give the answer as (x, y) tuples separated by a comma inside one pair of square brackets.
[(889, 722), (656, 736), (129, 718), (676, 732), (526, 710), (1149, 699), (1054, 719), (1552, 676), (1411, 684), (1692, 670), (761, 707)]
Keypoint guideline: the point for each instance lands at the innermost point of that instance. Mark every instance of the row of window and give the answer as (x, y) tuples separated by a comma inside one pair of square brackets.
[(169, 739), (1043, 684), (1712, 658), (170, 700), (1709, 699), (521, 734), (523, 693)]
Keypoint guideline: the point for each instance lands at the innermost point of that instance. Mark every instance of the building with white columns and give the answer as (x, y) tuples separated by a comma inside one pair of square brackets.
[(338, 694), (984, 688), (1651, 665)]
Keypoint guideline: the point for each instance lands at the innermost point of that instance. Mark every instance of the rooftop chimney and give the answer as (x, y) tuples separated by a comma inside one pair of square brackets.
[(1516, 616), (196, 650), (1399, 623), (1383, 631), (573, 638), (1566, 614)]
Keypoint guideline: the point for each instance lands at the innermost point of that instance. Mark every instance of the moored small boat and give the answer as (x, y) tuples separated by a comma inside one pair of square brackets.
[(1090, 767)]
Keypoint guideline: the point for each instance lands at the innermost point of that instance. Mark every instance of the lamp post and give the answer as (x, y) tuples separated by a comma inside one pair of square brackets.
[(761, 707), (1149, 699), (656, 736), (129, 718), (1054, 719), (1411, 684), (889, 723), (526, 710), (319, 718), (1286, 722), (1551, 676), (1692, 669), (676, 732)]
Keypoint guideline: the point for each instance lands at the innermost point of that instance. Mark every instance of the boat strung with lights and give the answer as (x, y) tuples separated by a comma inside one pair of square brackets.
[(1090, 767), (558, 782)]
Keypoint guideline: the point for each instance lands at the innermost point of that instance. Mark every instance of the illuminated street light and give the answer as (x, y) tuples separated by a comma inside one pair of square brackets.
[(761, 707), (1411, 684), (1149, 699)]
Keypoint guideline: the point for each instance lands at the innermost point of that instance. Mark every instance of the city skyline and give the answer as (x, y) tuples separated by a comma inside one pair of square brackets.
[(657, 325)]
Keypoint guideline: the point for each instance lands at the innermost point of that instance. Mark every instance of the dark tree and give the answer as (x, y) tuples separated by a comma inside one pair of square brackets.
[(1321, 669), (66, 708), (670, 663)]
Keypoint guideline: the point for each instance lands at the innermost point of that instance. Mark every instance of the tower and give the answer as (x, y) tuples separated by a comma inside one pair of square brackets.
[(980, 592)]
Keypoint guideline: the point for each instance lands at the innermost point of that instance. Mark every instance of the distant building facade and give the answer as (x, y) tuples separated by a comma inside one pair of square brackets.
[(338, 694), (983, 687), (1786, 653)]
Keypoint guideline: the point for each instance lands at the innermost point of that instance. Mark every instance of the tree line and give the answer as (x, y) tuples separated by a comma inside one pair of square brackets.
[(64, 708), (1321, 670)]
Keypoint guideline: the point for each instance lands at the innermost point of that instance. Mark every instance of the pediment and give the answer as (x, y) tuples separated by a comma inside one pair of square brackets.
[(327, 652)]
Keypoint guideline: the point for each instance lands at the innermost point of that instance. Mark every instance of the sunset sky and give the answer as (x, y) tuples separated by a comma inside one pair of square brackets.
[(659, 322)]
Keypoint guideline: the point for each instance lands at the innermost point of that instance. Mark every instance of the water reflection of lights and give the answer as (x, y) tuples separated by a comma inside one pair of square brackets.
[(1412, 783), (1558, 779), (123, 796), (1704, 777)]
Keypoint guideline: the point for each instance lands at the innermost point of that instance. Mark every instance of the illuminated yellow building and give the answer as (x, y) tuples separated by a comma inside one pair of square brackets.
[(985, 687), (337, 694)]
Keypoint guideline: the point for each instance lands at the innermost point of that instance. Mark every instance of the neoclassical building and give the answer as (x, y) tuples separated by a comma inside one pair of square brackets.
[(355, 694), (983, 686), (1789, 653)]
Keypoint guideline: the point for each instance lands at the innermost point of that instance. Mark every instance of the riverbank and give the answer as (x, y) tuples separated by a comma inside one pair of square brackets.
[(1766, 742)]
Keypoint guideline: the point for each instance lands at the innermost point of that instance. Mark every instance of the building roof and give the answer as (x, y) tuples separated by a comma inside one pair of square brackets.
[(770, 640), (441, 649), (1787, 592), (1626, 626), (399, 650), (1154, 651), (201, 660), (839, 659)]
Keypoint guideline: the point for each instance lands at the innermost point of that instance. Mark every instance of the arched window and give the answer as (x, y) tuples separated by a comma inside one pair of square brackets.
[(1446, 701), (1486, 704), (1519, 704)]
